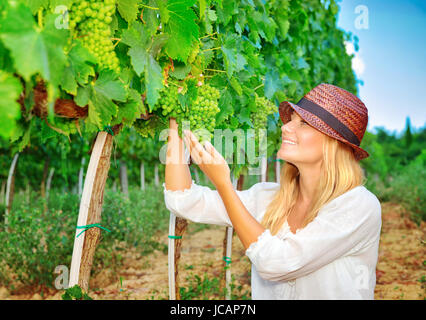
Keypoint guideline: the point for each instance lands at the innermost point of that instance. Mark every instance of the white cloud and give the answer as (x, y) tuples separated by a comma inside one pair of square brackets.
[(350, 48), (358, 64)]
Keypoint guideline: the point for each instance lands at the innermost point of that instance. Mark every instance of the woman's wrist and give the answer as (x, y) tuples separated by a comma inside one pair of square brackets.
[(224, 186)]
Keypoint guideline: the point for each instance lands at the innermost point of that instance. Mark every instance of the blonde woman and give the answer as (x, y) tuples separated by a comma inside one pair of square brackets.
[(316, 234)]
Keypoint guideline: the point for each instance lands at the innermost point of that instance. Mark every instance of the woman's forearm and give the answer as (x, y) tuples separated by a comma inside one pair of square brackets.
[(246, 226), (177, 174)]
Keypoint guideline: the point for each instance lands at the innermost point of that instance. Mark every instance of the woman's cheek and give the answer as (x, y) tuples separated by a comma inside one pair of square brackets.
[(312, 146)]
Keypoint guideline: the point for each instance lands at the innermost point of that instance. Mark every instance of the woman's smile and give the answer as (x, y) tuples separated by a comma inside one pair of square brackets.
[(289, 142)]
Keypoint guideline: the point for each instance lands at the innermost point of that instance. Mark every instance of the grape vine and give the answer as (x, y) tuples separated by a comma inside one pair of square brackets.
[(200, 115), (90, 22), (123, 61), (203, 111), (264, 108)]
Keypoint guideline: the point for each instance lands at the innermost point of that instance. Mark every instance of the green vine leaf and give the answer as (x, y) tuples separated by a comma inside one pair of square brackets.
[(128, 9), (79, 68), (139, 41), (75, 293), (182, 29), (10, 89), (234, 60), (100, 98), (32, 49)]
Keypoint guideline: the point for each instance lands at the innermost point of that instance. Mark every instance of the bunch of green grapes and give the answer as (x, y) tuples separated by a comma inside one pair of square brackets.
[(194, 52), (89, 21), (201, 114), (169, 103), (264, 107)]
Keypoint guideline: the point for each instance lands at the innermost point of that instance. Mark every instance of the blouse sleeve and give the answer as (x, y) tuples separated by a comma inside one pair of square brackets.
[(344, 224), (203, 205)]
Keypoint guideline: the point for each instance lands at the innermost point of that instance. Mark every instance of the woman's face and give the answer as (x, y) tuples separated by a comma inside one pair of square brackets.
[(308, 142)]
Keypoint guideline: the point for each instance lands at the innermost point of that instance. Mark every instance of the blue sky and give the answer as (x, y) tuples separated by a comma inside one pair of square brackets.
[(391, 60)]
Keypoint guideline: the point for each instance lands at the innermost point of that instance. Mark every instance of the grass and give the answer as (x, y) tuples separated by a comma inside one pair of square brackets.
[(406, 186), (208, 288), (39, 241)]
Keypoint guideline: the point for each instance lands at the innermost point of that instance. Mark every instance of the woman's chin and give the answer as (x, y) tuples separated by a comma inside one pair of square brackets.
[(281, 155)]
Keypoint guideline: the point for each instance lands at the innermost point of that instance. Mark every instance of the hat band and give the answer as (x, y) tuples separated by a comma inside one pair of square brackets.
[(329, 119)]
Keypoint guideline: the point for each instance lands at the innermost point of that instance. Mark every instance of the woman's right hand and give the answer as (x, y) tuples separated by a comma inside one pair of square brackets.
[(173, 123)]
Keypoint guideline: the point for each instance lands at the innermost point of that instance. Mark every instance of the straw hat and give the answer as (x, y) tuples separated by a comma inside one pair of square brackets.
[(333, 111)]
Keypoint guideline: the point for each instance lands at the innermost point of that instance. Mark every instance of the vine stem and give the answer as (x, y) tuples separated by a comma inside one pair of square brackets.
[(212, 49), (208, 35), (57, 129), (259, 86), (171, 82), (40, 17), (116, 39), (214, 70), (153, 8)]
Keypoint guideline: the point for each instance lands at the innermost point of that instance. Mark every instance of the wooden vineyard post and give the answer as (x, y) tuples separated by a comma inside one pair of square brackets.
[(10, 186), (264, 168), (142, 176), (177, 227), (81, 177), (90, 210), (156, 176), (49, 183), (227, 246), (3, 192), (277, 170), (180, 228), (124, 181), (27, 192), (171, 257)]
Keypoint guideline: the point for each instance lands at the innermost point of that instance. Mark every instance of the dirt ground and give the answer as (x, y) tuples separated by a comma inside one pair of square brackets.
[(400, 269)]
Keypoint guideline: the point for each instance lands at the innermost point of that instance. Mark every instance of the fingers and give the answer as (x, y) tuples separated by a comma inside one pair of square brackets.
[(172, 123), (198, 153), (191, 147), (216, 156)]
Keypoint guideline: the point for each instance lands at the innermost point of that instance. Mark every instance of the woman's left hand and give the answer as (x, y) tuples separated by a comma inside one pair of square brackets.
[(209, 160)]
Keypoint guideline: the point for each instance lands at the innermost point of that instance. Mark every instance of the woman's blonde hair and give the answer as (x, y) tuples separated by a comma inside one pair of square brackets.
[(340, 172)]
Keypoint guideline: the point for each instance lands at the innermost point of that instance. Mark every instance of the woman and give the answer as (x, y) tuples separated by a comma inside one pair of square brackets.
[(316, 234)]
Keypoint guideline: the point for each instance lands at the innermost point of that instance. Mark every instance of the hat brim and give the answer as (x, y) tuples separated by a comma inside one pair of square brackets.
[(285, 110)]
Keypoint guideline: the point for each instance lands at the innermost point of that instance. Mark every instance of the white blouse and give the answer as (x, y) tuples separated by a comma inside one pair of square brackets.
[(333, 257)]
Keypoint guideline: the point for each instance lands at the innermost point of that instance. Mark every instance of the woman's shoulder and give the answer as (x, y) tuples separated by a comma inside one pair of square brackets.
[(356, 203), (265, 187), (354, 197), (363, 197)]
